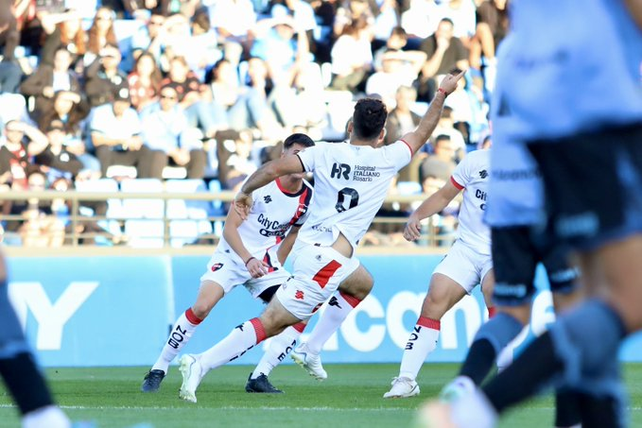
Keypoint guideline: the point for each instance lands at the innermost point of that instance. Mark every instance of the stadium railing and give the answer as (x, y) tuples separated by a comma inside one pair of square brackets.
[(160, 210)]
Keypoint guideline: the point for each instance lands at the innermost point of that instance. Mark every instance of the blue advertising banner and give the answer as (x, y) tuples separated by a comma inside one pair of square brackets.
[(112, 311)]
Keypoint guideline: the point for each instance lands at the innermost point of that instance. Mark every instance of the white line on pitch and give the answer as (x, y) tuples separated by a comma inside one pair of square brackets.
[(303, 409)]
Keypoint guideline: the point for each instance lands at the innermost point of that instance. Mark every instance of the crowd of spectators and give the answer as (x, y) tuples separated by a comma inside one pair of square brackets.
[(210, 87)]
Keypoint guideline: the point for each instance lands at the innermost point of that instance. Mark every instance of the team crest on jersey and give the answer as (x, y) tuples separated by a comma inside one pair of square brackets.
[(298, 295), (216, 266), (483, 173), (267, 199)]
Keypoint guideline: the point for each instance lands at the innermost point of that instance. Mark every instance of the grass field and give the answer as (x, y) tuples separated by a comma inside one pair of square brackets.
[(351, 397)]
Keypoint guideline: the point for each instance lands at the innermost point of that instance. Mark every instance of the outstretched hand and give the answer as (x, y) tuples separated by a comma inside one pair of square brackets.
[(242, 204), (449, 83)]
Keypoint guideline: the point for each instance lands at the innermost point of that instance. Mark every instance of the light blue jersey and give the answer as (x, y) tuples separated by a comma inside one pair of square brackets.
[(570, 66)]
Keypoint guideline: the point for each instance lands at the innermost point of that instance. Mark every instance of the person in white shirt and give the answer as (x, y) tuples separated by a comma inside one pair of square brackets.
[(467, 264), (351, 182)]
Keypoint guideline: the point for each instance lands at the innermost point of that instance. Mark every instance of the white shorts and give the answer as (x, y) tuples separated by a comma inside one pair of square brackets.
[(465, 266), (228, 271), (317, 273)]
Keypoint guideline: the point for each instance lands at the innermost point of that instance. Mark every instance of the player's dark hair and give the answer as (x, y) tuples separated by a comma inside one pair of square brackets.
[(448, 20), (369, 118), (442, 137), (297, 138)]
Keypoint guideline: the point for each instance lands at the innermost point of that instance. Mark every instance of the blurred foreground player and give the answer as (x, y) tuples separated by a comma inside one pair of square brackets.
[(578, 100), (19, 371)]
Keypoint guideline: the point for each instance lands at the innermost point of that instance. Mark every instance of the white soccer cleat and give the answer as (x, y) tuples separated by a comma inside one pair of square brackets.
[(192, 373), (402, 387), (456, 389), (309, 361)]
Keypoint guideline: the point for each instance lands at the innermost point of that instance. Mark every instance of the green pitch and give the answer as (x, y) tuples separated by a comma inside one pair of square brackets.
[(351, 397)]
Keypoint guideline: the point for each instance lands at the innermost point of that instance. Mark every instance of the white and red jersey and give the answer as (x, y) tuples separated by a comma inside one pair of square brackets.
[(350, 185), (274, 211), (472, 176)]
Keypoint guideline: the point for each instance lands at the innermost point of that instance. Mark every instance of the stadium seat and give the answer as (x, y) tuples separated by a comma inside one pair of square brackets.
[(114, 206), (409, 188), (144, 225), (188, 217)]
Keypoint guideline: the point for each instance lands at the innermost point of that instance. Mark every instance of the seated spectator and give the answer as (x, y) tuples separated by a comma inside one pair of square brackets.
[(56, 160), (446, 127), (164, 131), (40, 226), (492, 27), (462, 14), (47, 80), (204, 48), (303, 14), (10, 71), (402, 120), (149, 38), (399, 69), (283, 53), (442, 161), (64, 31), (19, 143), (185, 82), (238, 166), (103, 79), (444, 52), (101, 35), (353, 11), (115, 134), (351, 57), (144, 81)]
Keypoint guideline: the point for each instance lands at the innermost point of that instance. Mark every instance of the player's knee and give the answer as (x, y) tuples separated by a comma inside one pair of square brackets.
[(435, 306), (202, 309)]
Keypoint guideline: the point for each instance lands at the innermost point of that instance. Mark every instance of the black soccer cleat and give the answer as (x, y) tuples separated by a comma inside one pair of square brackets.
[(261, 385), (152, 381)]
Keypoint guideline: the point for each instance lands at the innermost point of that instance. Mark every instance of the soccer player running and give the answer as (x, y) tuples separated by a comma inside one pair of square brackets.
[(579, 103), (19, 371), (251, 254), (351, 181), (467, 264)]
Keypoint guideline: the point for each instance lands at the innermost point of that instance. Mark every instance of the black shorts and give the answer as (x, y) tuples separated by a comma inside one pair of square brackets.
[(515, 259), (593, 185)]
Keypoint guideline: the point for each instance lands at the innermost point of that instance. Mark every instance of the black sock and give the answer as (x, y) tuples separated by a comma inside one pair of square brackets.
[(567, 408), (598, 412), (479, 361), (526, 375), (25, 382)]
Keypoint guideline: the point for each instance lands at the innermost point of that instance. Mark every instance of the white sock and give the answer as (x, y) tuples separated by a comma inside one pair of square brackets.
[(49, 417), (241, 339), (339, 306), (180, 335), (279, 348), (422, 341)]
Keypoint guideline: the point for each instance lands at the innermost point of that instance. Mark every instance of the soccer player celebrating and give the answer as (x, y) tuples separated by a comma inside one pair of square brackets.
[(578, 102), (19, 371), (467, 264), (351, 181), (250, 253)]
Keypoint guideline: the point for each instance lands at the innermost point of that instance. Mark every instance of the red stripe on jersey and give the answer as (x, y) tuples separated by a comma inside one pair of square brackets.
[(300, 326), (192, 318), (457, 185), (323, 276), (352, 301), (304, 201), (492, 312), (429, 323), (258, 329), (412, 152), (268, 261)]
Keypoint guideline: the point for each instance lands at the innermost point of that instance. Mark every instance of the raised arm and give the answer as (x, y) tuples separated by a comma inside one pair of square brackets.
[(434, 204), (428, 123), (264, 175)]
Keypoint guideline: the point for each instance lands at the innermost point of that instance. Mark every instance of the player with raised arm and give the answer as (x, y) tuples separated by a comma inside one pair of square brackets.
[(251, 253), (577, 101), (467, 264), (351, 181), (19, 371)]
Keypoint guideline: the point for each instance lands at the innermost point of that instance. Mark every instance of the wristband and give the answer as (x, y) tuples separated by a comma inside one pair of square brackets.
[(443, 92), (248, 260)]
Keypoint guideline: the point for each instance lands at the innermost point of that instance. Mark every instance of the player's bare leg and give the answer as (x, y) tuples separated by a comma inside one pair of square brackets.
[(352, 291), (442, 295), (243, 337), (209, 294)]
